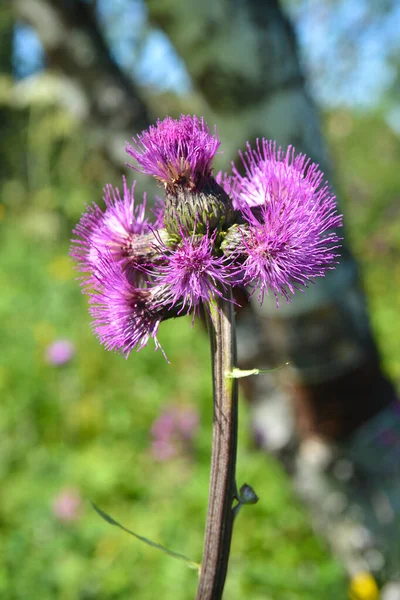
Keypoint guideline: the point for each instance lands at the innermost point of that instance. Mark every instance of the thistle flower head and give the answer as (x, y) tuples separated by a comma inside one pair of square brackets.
[(176, 152), (271, 228), (122, 231), (193, 272), (285, 240), (179, 154), (122, 221), (271, 173), (124, 316)]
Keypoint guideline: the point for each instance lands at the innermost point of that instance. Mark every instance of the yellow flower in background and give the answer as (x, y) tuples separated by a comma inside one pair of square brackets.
[(363, 587)]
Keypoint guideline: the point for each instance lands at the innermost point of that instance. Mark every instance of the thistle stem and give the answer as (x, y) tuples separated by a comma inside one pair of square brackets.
[(219, 525)]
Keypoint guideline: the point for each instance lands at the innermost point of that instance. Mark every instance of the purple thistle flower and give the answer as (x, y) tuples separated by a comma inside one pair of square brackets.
[(285, 242), (60, 352), (119, 231), (67, 505), (176, 152), (192, 272), (270, 228), (125, 317), (273, 173), (173, 432), (163, 450)]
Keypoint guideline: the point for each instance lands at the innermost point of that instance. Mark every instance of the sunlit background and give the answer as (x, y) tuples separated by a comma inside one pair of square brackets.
[(80, 424)]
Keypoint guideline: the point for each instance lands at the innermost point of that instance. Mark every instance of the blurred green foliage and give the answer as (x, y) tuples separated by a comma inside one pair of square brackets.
[(84, 428), (366, 154)]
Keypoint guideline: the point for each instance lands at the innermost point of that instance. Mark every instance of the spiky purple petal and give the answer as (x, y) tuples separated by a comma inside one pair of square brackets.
[(176, 152), (193, 273), (119, 231), (287, 240), (124, 316)]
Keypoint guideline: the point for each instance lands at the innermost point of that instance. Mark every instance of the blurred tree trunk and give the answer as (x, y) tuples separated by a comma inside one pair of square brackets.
[(75, 47), (6, 40), (242, 56), (8, 117)]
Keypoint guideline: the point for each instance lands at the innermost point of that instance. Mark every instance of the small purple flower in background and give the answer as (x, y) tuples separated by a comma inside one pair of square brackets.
[(67, 505), (188, 422), (271, 229), (60, 352), (173, 432), (163, 450)]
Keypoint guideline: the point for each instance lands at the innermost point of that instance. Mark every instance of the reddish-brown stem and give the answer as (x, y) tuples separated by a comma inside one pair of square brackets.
[(219, 525)]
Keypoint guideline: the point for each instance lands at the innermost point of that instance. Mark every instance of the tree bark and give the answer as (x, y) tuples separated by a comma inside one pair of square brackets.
[(10, 121)]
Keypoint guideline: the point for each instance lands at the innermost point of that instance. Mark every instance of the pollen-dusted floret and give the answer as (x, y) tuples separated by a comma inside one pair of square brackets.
[(176, 152), (286, 239)]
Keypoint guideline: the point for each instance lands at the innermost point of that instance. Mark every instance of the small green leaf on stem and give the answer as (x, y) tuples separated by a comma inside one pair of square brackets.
[(238, 373)]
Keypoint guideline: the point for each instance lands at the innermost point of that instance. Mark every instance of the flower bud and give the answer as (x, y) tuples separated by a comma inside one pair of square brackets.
[(198, 211), (247, 495)]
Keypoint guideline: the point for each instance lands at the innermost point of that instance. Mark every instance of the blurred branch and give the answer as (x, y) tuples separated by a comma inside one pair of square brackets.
[(75, 47)]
